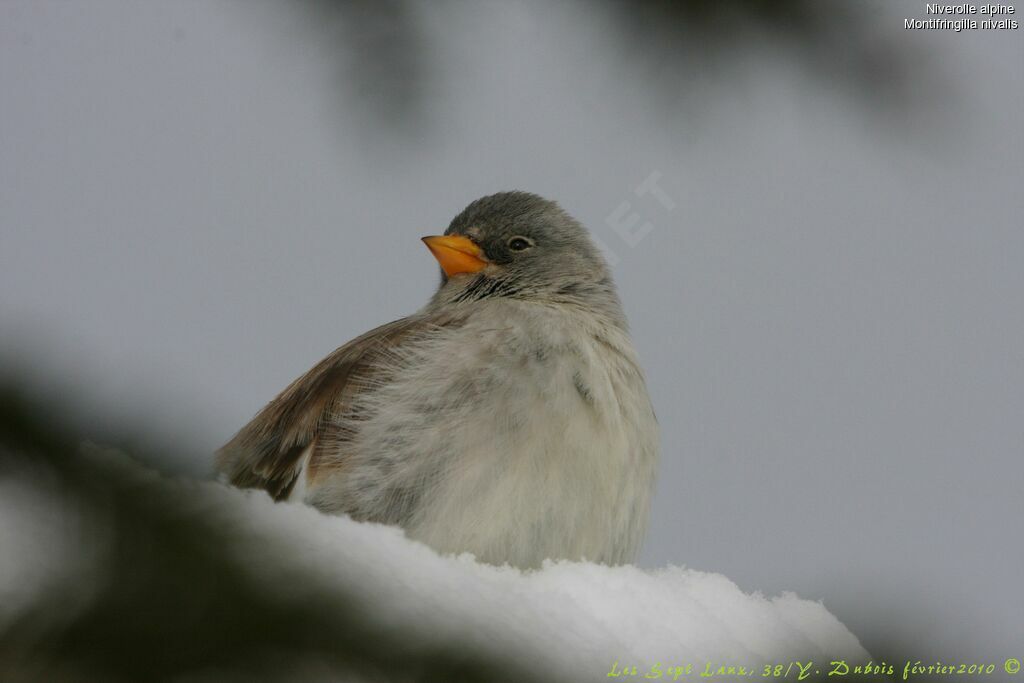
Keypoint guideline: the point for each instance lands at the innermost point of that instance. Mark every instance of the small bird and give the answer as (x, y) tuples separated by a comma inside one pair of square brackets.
[(508, 418)]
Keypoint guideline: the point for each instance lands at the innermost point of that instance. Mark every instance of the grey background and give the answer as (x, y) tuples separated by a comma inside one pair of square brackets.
[(193, 212)]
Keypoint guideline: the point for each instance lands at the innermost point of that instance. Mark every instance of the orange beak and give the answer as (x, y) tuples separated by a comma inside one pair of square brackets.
[(456, 254)]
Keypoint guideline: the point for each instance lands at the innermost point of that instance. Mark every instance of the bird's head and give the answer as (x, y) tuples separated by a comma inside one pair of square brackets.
[(519, 245)]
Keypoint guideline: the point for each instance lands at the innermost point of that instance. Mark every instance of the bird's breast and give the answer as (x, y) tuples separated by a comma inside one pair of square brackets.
[(516, 438)]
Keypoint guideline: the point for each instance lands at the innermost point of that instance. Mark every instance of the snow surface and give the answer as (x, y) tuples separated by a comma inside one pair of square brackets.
[(569, 620)]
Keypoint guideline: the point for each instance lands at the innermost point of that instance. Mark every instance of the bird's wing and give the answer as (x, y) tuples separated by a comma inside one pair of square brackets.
[(268, 452)]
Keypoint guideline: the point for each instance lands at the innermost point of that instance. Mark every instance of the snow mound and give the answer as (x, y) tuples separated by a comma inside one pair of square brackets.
[(567, 621)]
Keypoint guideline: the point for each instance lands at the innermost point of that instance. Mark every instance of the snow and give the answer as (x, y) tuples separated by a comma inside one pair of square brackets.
[(569, 621)]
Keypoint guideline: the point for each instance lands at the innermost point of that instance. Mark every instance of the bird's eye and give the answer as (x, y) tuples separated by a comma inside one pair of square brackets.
[(519, 244)]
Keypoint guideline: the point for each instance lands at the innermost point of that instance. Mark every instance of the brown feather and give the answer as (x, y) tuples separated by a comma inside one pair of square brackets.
[(267, 452)]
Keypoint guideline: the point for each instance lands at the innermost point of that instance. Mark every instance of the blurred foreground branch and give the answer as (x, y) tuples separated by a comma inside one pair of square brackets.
[(140, 589), (386, 51)]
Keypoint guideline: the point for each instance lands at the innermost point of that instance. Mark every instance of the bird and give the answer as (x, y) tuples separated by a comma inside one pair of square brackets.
[(509, 418)]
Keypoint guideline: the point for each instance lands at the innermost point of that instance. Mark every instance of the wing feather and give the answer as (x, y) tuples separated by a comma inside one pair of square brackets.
[(267, 452)]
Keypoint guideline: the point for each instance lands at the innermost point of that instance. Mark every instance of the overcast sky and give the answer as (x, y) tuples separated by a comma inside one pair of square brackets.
[(194, 210)]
